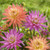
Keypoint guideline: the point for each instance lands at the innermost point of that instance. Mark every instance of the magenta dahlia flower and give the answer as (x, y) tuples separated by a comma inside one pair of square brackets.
[(45, 32), (48, 38), (35, 21), (12, 39)]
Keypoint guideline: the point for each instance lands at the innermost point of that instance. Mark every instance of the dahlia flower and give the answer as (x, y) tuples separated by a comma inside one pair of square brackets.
[(45, 32), (48, 38), (12, 39), (35, 21), (38, 43), (14, 15)]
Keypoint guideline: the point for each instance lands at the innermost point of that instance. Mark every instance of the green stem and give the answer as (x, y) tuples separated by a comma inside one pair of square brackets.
[(18, 27), (33, 32), (30, 32)]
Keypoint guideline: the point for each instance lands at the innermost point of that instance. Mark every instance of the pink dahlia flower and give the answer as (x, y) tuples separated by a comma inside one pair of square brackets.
[(38, 43), (12, 39), (35, 21)]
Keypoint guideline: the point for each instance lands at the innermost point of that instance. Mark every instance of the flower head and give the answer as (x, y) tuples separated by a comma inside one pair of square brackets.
[(35, 21), (48, 38), (45, 32), (12, 39), (15, 15), (38, 43)]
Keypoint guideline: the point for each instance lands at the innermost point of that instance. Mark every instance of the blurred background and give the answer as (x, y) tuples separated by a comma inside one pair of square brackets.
[(42, 5)]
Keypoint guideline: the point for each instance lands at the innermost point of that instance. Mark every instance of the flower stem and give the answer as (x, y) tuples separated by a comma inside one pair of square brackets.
[(33, 32), (17, 27)]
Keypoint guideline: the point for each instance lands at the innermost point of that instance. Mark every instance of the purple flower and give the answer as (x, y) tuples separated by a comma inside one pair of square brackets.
[(12, 39), (45, 32), (35, 21), (48, 38)]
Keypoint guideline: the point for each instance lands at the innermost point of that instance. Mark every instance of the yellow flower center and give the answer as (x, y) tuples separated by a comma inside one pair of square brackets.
[(12, 39), (38, 45), (35, 20), (13, 12)]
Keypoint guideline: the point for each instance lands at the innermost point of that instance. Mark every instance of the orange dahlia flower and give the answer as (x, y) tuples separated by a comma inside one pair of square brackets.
[(15, 15), (38, 43)]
